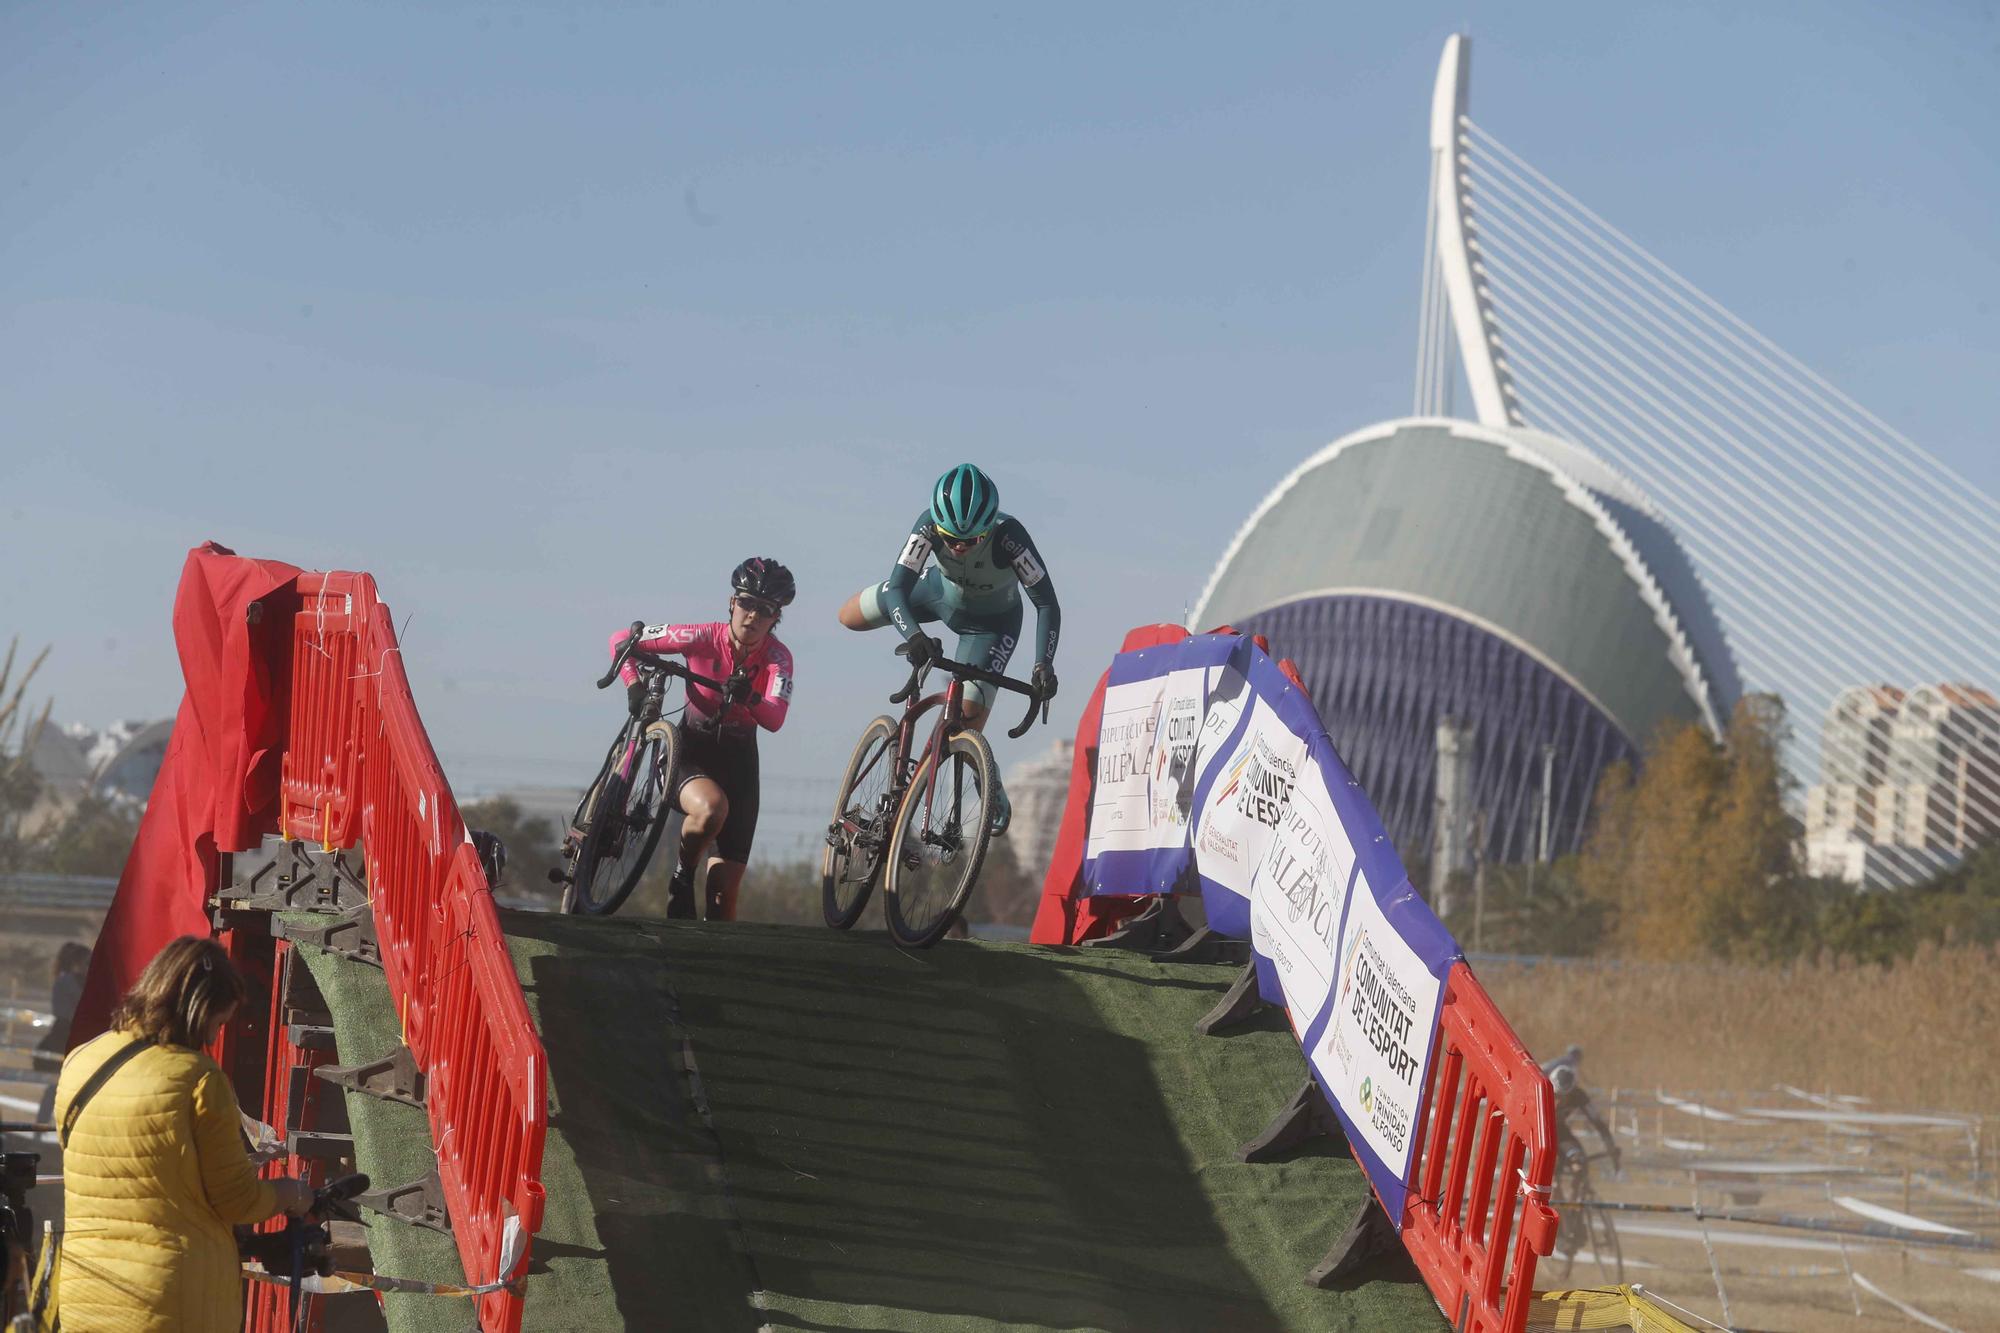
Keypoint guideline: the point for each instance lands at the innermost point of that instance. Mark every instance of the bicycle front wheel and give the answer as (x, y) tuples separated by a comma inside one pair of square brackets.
[(940, 841), (860, 828), (627, 816)]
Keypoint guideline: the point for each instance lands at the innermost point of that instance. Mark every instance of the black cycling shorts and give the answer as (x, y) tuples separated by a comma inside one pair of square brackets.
[(729, 759)]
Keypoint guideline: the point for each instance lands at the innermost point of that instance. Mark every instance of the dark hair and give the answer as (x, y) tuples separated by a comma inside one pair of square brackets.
[(186, 987), (72, 957)]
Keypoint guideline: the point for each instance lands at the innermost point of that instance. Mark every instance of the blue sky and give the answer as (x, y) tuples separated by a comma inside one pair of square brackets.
[(546, 315)]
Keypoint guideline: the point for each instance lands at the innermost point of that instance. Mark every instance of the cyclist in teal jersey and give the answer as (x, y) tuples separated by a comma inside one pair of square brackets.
[(985, 560)]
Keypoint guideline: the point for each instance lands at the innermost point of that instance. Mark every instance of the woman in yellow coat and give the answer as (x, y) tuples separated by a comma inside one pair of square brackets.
[(154, 1168)]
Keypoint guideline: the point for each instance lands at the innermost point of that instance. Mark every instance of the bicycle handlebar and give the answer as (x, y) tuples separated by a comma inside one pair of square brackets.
[(630, 649), (624, 651), (967, 671)]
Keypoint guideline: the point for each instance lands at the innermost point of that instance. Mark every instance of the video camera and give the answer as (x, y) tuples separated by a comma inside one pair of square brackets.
[(305, 1246), (17, 1232)]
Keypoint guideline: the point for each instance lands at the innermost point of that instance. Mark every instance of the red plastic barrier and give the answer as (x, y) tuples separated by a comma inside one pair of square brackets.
[(411, 831), (320, 786), (1479, 1214), (487, 1077), (359, 767)]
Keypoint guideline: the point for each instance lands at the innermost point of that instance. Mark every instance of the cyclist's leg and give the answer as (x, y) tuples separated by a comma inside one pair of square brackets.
[(705, 804), (864, 610), (731, 852), (987, 639)]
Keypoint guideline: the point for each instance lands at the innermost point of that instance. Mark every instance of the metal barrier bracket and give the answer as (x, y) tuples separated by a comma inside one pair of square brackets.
[(1159, 929), (1307, 1116), (319, 1145), (309, 1036), (351, 934), (298, 878), (419, 1203), (1205, 946), (1237, 1007), (393, 1078), (1356, 1257)]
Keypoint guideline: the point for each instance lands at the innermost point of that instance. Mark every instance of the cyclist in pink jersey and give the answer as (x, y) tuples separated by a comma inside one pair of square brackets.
[(715, 767)]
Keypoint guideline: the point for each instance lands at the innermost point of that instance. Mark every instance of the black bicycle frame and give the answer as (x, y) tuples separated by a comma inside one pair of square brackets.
[(952, 719)]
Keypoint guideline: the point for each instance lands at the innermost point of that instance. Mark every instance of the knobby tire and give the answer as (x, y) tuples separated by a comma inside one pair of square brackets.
[(919, 912), (847, 871), (616, 806)]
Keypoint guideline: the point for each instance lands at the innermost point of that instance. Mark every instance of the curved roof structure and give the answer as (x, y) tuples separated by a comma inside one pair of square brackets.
[(1525, 536)]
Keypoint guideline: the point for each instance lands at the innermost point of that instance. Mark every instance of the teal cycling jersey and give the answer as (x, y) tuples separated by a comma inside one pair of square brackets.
[(990, 577)]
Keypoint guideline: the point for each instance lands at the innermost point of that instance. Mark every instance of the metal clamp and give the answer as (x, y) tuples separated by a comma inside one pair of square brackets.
[(299, 878), (351, 934), (394, 1078), (419, 1203)]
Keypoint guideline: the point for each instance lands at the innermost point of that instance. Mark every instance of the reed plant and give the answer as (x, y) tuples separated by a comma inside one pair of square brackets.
[(1914, 1033)]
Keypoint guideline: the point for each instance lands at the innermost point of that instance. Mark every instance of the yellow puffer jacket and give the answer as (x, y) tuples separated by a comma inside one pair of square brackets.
[(154, 1176)]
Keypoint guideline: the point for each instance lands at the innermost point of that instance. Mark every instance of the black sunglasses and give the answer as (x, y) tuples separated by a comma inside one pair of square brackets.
[(756, 605)]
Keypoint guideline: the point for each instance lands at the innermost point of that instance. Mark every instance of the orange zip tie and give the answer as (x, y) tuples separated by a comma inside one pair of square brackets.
[(326, 838)]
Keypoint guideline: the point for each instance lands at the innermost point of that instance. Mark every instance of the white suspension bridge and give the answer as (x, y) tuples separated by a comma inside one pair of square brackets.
[(1854, 572)]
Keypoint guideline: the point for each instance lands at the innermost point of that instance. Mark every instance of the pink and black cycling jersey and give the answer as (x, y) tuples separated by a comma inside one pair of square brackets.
[(709, 653)]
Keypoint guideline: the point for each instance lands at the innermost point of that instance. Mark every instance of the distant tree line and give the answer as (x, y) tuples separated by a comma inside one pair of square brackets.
[(1695, 856)]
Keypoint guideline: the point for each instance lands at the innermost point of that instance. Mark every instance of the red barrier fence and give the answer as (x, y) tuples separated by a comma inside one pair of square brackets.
[(358, 766), (1479, 1213)]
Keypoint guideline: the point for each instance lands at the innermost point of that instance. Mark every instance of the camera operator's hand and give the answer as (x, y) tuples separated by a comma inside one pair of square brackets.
[(635, 696), (295, 1196), (924, 650), (736, 689), (1044, 681)]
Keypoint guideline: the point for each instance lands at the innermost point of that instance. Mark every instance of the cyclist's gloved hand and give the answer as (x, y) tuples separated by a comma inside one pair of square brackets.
[(1044, 681), (635, 696), (736, 689), (924, 650)]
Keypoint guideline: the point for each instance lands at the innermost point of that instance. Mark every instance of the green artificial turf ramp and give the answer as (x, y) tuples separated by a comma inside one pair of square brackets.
[(392, 1143), (796, 1128)]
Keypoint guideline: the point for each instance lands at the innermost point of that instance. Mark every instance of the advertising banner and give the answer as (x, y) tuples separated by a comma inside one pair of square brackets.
[(1154, 703), (1214, 772)]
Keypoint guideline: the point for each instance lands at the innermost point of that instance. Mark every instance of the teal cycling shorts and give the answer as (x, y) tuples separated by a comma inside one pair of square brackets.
[(985, 638)]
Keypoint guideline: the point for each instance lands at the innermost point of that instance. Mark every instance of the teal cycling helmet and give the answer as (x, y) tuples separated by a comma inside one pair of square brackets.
[(964, 502)]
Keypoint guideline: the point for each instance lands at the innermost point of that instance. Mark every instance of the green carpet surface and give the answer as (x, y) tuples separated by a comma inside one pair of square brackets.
[(392, 1143), (764, 1126)]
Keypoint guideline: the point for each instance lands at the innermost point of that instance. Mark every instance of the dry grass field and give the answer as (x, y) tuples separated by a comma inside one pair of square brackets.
[(1916, 1034), (1707, 1073)]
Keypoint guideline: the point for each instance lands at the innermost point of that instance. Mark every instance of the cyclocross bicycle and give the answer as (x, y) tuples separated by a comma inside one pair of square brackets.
[(918, 820), (617, 824), (1584, 1225)]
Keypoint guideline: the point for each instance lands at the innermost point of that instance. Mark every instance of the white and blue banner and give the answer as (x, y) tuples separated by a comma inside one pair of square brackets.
[(1148, 747), (1214, 769)]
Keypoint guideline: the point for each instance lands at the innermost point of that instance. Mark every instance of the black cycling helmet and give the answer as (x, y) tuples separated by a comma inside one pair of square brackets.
[(761, 576)]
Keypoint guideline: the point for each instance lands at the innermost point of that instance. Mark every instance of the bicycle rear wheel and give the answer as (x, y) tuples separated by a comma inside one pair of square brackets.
[(1572, 1187), (1604, 1245), (940, 842), (626, 818), (860, 828)]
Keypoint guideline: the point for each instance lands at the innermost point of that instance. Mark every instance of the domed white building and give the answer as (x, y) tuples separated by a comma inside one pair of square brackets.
[(1494, 579)]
